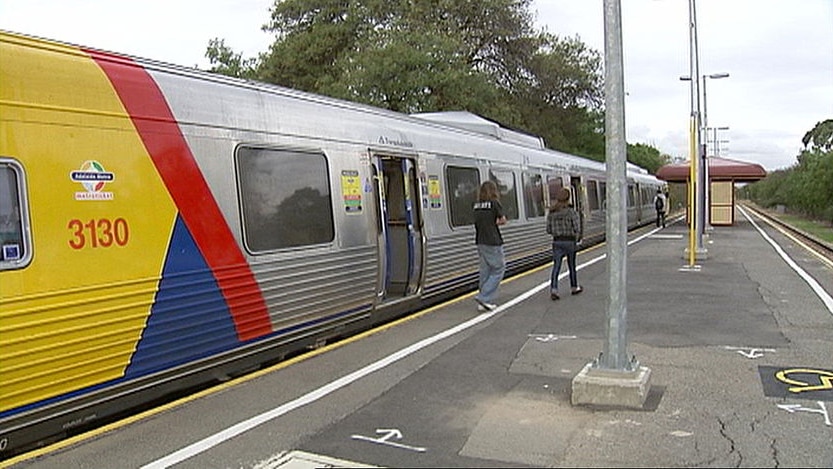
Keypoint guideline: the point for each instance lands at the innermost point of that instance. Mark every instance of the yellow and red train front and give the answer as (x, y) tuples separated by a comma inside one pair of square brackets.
[(133, 269)]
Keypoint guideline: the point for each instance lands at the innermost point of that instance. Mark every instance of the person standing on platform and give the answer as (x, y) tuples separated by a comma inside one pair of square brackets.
[(488, 216), (565, 227), (661, 205)]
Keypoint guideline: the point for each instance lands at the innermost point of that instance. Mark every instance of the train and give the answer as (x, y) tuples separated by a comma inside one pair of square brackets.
[(164, 227)]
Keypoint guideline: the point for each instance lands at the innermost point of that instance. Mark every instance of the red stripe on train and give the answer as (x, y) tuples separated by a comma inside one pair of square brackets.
[(172, 157)]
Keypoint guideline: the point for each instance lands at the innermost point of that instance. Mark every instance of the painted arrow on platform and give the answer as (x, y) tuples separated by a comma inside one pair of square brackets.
[(387, 434), (550, 337), (750, 352), (793, 408)]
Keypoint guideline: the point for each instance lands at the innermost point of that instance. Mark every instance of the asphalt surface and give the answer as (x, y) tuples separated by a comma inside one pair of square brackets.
[(740, 352)]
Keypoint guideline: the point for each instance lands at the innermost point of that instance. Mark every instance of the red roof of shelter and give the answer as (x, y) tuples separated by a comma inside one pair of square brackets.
[(719, 168)]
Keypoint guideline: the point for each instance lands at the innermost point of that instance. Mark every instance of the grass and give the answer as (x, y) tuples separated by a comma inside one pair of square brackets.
[(816, 228)]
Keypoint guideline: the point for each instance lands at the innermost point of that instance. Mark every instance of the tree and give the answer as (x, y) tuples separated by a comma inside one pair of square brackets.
[(820, 137), (647, 157), (227, 62), (483, 56), (806, 187), (563, 94)]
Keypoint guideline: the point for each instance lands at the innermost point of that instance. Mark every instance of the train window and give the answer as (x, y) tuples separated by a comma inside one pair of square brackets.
[(285, 198), (603, 194), (505, 181), (592, 196), (15, 242), (533, 195), (554, 185), (631, 195), (463, 184)]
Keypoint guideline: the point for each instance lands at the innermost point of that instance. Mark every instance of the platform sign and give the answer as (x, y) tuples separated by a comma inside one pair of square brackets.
[(797, 382)]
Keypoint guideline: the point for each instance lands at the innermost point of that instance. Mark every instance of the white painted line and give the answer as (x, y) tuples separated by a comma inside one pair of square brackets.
[(814, 285), (246, 425), (667, 236)]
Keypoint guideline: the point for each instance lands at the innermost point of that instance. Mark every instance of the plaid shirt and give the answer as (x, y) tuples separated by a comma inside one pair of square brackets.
[(564, 225)]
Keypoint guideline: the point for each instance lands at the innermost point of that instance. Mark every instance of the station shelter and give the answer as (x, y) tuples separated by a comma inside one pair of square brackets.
[(723, 174)]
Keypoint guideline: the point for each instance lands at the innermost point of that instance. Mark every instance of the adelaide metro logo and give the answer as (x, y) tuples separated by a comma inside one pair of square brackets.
[(93, 177)]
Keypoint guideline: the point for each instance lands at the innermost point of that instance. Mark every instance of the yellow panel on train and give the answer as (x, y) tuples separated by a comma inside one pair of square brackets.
[(101, 220)]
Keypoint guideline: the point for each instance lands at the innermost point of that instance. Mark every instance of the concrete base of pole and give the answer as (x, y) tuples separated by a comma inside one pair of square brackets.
[(699, 254), (596, 386)]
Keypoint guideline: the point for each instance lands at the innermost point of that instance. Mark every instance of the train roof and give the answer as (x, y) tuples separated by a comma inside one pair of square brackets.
[(455, 122)]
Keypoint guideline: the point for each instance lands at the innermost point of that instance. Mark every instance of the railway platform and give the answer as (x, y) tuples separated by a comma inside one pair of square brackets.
[(740, 352)]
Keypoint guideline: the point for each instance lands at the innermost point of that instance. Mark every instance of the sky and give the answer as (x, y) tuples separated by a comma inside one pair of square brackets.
[(778, 54)]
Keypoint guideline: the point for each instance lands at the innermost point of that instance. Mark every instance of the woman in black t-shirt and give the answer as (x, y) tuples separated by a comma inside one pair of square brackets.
[(488, 216)]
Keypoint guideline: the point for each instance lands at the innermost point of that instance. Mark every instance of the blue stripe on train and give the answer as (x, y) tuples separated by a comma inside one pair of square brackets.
[(189, 318)]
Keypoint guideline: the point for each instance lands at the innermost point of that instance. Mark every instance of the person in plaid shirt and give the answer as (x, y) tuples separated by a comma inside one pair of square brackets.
[(565, 227)]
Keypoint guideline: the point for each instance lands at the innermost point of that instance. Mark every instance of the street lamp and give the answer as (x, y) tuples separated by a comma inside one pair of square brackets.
[(707, 221), (703, 137), (713, 76)]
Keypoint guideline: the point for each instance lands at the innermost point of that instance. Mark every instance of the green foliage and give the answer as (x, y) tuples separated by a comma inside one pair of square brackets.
[(227, 62), (483, 56), (806, 187), (820, 138), (647, 157), (562, 96)]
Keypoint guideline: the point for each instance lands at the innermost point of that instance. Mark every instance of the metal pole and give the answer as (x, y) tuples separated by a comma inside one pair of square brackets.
[(614, 356), (717, 141), (716, 151), (707, 181), (712, 76), (695, 79), (695, 238)]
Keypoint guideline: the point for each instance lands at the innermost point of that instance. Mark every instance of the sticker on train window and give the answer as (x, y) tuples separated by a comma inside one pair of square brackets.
[(435, 197), (15, 240), (11, 252), (351, 191)]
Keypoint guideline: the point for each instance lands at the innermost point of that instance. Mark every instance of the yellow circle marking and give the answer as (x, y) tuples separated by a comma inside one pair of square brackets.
[(825, 379)]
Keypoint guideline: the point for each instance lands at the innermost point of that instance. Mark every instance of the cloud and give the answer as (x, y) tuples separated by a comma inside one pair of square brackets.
[(779, 56)]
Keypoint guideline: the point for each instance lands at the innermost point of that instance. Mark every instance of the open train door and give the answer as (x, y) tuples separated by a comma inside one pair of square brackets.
[(401, 231)]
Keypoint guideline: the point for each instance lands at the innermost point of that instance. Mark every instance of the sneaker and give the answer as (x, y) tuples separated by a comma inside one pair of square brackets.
[(483, 306), (554, 296), (577, 290)]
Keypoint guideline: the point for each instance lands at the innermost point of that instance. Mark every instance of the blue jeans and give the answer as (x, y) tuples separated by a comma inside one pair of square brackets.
[(492, 267), (560, 249)]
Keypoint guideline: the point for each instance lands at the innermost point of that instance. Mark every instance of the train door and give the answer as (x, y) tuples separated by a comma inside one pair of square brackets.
[(578, 199), (401, 238)]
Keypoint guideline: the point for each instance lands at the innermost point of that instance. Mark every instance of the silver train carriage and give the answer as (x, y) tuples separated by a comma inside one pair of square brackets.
[(162, 227)]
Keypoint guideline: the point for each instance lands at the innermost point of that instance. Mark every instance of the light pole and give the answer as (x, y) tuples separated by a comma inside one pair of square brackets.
[(716, 142), (696, 198), (707, 187), (703, 202)]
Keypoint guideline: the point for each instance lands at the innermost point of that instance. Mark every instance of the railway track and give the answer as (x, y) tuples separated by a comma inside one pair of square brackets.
[(822, 248)]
